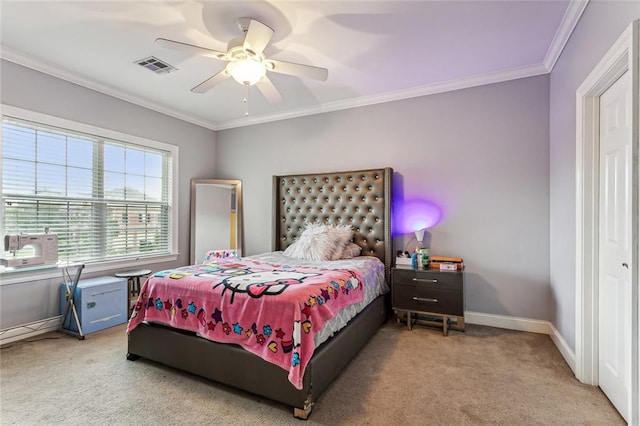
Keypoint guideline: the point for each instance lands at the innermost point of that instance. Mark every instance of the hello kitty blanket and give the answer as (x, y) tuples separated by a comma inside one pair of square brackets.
[(272, 310)]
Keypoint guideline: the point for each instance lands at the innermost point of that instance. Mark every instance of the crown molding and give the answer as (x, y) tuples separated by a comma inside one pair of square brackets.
[(429, 89), (38, 65), (561, 38)]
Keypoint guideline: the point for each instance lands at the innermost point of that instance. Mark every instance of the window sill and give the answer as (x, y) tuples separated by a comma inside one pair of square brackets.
[(43, 272)]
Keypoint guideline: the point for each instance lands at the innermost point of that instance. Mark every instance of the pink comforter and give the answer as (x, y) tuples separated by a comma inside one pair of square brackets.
[(271, 310)]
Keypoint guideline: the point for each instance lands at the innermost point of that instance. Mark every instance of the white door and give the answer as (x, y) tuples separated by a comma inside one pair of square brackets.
[(614, 288)]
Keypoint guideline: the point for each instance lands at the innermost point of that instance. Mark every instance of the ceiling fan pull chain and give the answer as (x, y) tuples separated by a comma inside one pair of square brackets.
[(246, 99)]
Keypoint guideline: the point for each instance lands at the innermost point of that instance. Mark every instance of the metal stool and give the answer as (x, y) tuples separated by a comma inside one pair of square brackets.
[(133, 285)]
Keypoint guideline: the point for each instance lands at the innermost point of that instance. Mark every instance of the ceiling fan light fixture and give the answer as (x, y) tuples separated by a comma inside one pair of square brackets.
[(246, 71), (247, 63)]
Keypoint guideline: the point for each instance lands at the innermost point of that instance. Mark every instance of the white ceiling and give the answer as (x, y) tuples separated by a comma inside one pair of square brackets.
[(375, 51)]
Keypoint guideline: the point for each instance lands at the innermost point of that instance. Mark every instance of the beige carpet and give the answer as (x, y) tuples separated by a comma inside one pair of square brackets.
[(483, 376)]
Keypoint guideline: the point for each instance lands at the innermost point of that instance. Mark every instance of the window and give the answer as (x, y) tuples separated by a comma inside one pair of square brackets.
[(106, 195)]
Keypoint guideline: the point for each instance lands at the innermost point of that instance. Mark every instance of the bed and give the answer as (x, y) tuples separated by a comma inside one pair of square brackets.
[(360, 199)]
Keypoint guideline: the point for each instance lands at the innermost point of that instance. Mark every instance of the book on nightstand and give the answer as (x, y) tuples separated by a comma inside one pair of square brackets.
[(446, 263)]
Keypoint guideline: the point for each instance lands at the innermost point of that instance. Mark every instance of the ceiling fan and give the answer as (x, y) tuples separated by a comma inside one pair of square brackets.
[(247, 63)]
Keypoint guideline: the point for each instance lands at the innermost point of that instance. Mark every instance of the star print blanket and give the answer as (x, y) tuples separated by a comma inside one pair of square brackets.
[(272, 310)]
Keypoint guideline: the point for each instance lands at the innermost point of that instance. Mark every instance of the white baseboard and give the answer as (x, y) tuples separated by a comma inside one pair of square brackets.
[(525, 324), (30, 330), (566, 352), (510, 323)]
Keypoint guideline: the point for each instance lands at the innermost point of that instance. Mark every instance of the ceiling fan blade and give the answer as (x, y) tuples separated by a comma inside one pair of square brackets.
[(266, 87), (189, 48), (210, 82), (299, 70), (257, 37)]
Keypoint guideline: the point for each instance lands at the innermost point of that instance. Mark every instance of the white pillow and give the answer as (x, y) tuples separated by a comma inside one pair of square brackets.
[(293, 250), (320, 242), (341, 235), (351, 250), (315, 243)]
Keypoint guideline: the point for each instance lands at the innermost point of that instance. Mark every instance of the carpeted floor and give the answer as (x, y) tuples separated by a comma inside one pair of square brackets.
[(483, 376)]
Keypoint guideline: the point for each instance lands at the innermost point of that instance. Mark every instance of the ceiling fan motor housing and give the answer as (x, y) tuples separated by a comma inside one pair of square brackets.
[(243, 23)]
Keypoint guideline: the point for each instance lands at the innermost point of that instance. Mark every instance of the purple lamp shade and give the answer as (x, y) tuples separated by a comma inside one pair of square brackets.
[(417, 214)]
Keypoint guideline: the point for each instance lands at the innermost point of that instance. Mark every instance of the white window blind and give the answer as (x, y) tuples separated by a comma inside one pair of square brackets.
[(105, 199)]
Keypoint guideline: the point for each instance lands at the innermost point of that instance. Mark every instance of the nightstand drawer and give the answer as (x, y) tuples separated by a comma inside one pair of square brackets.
[(425, 278), (419, 299)]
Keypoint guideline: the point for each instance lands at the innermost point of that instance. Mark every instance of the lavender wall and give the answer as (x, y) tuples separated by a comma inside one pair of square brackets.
[(31, 90), (481, 155), (497, 161), (599, 27)]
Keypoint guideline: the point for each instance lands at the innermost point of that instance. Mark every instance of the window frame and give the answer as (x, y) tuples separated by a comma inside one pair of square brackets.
[(51, 271)]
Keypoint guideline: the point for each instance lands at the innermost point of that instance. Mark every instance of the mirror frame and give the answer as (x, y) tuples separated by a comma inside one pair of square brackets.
[(239, 224)]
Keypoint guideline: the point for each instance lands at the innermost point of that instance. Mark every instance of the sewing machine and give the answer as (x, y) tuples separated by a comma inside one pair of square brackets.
[(45, 246)]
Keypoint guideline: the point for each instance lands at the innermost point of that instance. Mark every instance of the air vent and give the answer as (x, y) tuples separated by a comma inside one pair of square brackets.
[(156, 65)]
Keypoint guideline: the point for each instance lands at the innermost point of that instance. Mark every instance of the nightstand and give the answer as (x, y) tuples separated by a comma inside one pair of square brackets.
[(429, 296)]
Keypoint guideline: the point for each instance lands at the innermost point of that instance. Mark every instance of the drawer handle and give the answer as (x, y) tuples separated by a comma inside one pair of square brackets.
[(424, 281), (105, 292), (424, 299)]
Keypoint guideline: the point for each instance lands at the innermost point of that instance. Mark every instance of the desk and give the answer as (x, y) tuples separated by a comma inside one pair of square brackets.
[(71, 285), (133, 285)]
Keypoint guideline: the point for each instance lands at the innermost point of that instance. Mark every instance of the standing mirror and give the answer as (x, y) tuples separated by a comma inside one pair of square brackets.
[(216, 216)]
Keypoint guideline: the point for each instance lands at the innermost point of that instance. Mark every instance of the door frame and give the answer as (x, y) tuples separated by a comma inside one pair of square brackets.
[(622, 57)]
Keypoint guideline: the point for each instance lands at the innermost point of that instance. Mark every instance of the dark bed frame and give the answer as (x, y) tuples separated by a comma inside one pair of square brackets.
[(361, 199)]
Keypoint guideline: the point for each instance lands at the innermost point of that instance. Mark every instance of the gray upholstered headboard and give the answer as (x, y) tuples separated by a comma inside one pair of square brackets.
[(360, 198)]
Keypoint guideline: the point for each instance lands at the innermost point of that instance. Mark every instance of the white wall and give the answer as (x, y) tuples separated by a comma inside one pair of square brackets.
[(481, 154), (28, 89), (599, 27)]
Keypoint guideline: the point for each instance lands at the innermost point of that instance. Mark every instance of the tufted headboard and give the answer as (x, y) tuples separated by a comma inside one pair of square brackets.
[(360, 198)]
